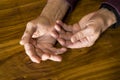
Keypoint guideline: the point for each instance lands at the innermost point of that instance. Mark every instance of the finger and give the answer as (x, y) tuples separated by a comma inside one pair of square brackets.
[(64, 42), (66, 35), (45, 54), (33, 41), (76, 27), (58, 50), (42, 55), (61, 41), (59, 29), (55, 58), (52, 56), (27, 34), (81, 44), (84, 42), (76, 37), (30, 51), (63, 34), (88, 31), (64, 26), (75, 45), (36, 34), (69, 28), (54, 34), (68, 42)]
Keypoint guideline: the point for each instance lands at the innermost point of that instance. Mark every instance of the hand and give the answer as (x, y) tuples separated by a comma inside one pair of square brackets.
[(38, 42), (86, 32)]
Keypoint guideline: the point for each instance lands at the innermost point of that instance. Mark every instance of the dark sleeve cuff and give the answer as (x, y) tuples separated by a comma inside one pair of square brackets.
[(114, 10), (72, 4)]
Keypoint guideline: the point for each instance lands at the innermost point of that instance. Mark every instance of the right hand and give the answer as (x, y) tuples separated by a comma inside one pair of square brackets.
[(38, 43)]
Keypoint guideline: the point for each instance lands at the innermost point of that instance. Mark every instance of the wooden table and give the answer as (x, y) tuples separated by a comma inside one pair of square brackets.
[(99, 62)]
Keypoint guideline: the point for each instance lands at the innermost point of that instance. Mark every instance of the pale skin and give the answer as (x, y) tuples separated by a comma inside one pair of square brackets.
[(37, 41), (40, 35), (86, 31)]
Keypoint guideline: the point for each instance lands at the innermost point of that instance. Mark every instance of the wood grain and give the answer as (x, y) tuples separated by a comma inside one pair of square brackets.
[(99, 62)]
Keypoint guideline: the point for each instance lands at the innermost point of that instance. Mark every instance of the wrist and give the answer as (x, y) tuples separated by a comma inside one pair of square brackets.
[(107, 17), (55, 10)]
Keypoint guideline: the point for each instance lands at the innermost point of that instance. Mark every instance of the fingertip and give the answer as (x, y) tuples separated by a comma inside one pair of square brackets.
[(56, 58), (71, 47), (34, 36), (64, 49), (57, 27), (45, 57), (21, 42), (58, 21), (36, 60), (60, 51)]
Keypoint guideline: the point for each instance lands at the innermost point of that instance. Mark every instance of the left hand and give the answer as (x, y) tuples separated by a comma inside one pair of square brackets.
[(86, 32)]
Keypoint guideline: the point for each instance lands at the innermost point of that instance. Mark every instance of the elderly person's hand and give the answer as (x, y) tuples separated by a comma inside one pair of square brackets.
[(86, 31), (37, 41)]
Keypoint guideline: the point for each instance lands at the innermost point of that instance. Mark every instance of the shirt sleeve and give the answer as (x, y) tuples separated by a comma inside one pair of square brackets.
[(113, 5), (72, 3)]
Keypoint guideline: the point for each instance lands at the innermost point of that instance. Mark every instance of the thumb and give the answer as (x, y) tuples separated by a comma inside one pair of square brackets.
[(36, 34), (78, 36), (30, 29)]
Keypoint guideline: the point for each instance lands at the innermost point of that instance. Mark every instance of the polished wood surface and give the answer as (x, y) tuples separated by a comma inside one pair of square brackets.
[(99, 62)]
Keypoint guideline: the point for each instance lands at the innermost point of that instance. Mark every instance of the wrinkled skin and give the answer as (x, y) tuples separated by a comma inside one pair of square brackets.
[(38, 43), (81, 34)]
